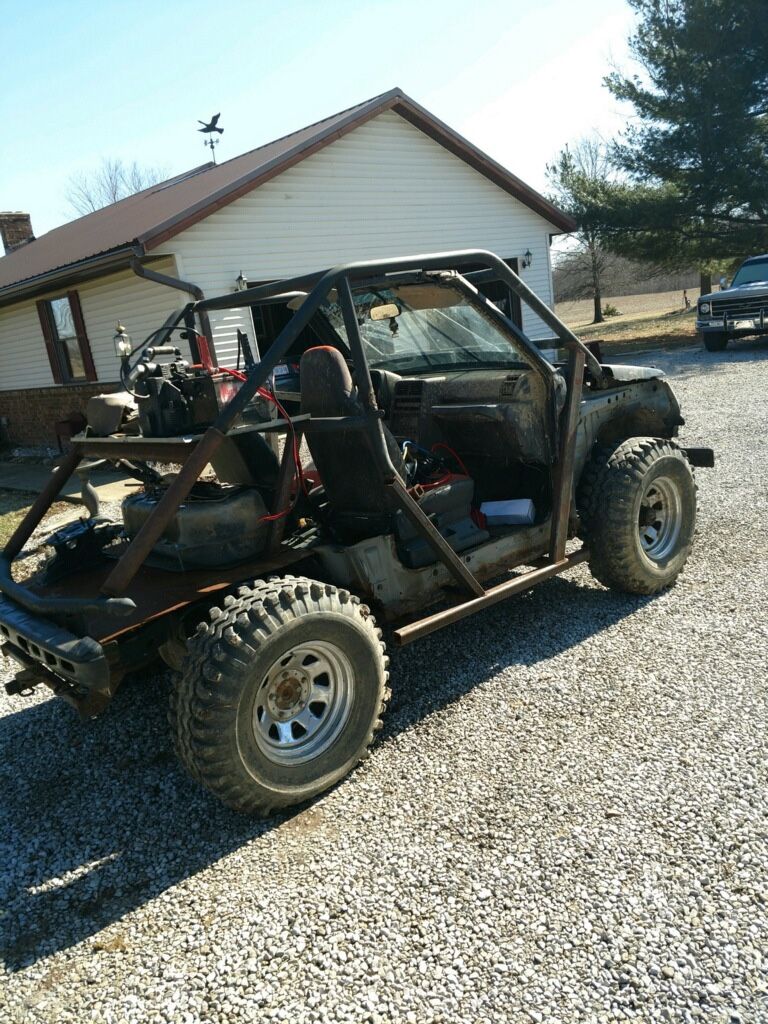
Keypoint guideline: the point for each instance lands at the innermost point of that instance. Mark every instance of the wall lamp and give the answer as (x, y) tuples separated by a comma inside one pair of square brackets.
[(527, 259), (241, 282)]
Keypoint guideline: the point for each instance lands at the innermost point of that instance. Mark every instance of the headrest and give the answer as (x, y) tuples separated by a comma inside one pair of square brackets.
[(326, 384)]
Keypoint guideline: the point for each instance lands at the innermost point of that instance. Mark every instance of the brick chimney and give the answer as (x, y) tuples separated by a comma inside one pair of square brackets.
[(15, 229)]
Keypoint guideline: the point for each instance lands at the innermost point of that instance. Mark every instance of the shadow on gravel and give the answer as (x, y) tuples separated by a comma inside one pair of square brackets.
[(99, 819), (681, 362)]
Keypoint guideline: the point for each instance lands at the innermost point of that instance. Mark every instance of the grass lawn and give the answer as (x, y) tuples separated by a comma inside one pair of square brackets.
[(14, 504), (657, 317)]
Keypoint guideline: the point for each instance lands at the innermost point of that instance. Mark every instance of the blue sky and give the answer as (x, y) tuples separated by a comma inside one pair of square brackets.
[(83, 80)]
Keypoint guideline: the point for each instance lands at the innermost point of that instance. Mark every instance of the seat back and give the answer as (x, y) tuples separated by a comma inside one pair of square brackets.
[(342, 453)]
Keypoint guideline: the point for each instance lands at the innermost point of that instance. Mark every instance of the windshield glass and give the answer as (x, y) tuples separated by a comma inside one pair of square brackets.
[(425, 327), (751, 272)]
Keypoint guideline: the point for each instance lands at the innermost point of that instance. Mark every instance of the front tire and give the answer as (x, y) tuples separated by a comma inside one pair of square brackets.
[(281, 694), (715, 342), (638, 507)]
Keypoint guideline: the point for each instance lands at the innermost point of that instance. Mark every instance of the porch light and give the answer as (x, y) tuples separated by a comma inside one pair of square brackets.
[(241, 282), (527, 258), (122, 342)]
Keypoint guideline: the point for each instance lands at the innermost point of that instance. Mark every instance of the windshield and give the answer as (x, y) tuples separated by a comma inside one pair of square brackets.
[(751, 272), (426, 327)]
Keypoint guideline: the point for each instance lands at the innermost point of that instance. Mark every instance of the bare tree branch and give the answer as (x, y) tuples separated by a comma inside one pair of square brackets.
[(579, 176), (111, 181)]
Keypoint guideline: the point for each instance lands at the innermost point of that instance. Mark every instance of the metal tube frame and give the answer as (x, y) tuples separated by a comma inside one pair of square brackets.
[(319, 287)]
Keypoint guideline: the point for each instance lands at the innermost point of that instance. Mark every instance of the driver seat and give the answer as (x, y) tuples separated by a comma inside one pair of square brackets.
[(341, 452), (360, 504)]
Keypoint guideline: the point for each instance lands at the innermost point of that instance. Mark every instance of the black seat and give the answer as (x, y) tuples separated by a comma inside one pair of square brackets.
[(342, 453), (360, 503)]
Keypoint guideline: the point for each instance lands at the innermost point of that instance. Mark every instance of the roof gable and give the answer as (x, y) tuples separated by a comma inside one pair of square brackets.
[(141, 222)]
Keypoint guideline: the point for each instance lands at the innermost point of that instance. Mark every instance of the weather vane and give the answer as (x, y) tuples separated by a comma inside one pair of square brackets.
[(208, 129)]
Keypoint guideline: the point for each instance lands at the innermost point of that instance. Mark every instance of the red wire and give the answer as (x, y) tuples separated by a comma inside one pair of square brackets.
[(462, 467), (264, 393)]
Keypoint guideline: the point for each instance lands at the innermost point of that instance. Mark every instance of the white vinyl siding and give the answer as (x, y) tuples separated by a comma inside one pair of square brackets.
[(141, 306), (385, 189), (23, 356)]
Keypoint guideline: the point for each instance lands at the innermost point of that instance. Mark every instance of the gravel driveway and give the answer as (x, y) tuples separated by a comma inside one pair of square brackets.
[(565, 819)]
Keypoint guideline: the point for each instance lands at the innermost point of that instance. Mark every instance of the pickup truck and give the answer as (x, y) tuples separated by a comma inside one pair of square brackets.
[(736, 311)]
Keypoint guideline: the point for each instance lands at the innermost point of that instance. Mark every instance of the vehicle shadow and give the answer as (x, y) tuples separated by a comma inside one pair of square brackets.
[(694, 359), (100, 819)]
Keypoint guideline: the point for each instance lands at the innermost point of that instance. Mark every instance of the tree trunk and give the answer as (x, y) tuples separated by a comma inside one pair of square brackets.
[(599, 318), (596, 290), (705, 282)]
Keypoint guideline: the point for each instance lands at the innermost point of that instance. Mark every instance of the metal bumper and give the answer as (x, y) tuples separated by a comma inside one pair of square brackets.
[(702, 458), (746, 324), (74, 667)]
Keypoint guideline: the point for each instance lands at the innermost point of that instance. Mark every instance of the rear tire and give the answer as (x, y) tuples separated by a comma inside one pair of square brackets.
[(637, 503), (715, 342), (281, 694)]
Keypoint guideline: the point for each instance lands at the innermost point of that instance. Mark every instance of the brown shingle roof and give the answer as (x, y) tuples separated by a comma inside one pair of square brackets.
[(141, 222)]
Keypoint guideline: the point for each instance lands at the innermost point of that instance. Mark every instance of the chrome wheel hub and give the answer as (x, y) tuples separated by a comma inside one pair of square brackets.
[(303, 702), (660, 517)]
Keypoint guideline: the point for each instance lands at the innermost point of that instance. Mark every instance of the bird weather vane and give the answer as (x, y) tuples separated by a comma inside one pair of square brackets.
[(209, 127)]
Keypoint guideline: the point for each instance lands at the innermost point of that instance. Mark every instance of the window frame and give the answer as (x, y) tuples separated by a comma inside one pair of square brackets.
[(55, 346)]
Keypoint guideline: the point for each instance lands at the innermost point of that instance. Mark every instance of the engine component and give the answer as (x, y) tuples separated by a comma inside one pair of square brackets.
[(79, 546), (106, 414), (221, 527), (174, 399)]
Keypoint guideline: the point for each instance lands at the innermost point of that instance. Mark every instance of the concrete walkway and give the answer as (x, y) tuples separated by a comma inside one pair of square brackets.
[(19, 476)]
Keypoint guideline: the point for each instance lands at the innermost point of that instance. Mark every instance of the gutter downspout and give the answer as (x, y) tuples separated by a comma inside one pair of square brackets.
[(183, 286)]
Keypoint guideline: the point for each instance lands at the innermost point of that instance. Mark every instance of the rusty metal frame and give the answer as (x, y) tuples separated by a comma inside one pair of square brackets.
[(320, 286), (543, 570)]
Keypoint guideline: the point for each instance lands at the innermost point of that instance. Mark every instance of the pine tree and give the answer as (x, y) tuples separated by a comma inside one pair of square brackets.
[(697, 157)]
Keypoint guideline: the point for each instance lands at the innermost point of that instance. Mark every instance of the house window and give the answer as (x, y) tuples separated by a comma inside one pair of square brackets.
[(66, 341)]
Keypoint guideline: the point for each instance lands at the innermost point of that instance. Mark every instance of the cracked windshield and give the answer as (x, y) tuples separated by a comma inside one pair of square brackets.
[(423, 328)]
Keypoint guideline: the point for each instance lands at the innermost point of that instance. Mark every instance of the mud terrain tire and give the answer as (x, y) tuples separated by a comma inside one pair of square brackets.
[(281, 694), (637, 504)]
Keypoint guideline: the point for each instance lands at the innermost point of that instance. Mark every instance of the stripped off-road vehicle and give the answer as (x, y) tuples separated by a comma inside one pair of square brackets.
[(446, 452)]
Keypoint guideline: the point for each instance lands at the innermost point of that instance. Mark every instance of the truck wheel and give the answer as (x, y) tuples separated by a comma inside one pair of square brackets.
[(281, 693), (638, 508), (715, 342)]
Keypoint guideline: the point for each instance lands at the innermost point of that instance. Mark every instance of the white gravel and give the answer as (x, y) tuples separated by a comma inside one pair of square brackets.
[(565, 820)]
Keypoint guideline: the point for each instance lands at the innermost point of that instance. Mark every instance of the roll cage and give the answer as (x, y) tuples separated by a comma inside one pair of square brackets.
[(314, 290)]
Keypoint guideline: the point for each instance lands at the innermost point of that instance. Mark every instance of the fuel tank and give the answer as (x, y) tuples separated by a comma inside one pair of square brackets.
[(222, 527)]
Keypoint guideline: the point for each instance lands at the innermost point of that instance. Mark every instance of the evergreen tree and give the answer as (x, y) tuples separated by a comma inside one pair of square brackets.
[(697, 157)]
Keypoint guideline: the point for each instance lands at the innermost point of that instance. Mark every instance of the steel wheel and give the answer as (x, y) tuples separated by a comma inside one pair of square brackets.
[(638, 507), (303, 702), (660, 518)]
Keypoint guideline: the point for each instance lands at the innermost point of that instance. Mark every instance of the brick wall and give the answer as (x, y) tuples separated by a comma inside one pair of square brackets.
[(32, 413), (15, 229)]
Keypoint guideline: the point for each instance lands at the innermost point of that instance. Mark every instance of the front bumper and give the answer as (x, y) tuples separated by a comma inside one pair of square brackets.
[(733, 325), (74, 667)]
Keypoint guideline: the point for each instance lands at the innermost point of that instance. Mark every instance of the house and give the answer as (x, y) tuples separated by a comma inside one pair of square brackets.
[(384, 178)]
